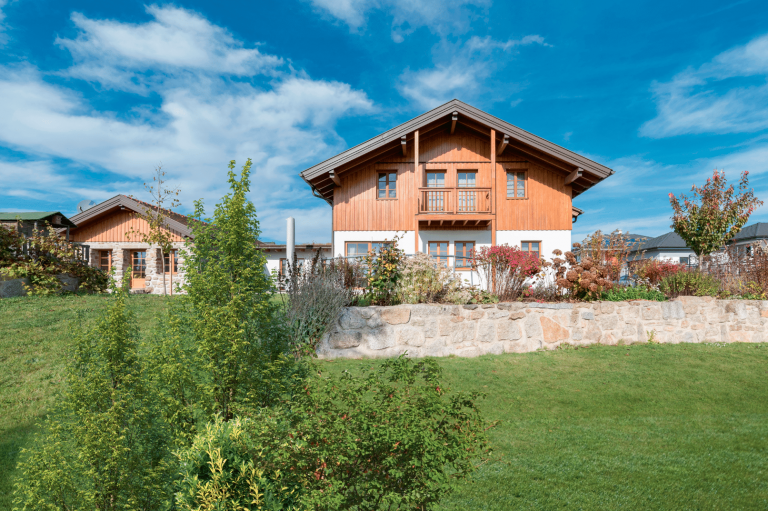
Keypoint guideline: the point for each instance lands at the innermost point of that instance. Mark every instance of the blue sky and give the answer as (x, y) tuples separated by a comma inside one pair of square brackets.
[(94, 95)]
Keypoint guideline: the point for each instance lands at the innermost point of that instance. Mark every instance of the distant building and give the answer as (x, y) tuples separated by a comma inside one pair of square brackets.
[(751, 234), (667, 247), (27, 222), (277, 257)]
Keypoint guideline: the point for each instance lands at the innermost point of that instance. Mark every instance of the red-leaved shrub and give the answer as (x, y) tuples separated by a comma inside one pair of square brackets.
[(505, 269)]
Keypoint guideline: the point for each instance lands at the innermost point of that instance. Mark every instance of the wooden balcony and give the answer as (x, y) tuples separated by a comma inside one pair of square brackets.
[(454, 207)]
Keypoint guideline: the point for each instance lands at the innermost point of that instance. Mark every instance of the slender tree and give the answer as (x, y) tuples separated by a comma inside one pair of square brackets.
[(715, 214), (163, 200)]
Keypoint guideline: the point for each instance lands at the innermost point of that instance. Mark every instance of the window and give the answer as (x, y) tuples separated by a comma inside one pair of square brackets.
[(467, 179), (284, 266), (105, 260), (387, 185), (532, 247), (464, 254), (171, 261), (139, 263), (516, 185), (439, 250), (361, 248), (435, 179), (684, 260)]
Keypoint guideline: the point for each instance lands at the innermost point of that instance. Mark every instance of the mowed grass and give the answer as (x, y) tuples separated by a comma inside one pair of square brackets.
[(640, 427)]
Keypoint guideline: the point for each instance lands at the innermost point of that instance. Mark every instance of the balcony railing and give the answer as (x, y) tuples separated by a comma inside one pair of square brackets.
[(454, 200)]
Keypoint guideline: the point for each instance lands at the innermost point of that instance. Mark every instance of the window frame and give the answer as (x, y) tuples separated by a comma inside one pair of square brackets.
[(464, 256), (435, 171), (370, 246), (530, 251), (387, 188), (439, 257), (109, 259), (166, 266), (466, 171), (514, 191)]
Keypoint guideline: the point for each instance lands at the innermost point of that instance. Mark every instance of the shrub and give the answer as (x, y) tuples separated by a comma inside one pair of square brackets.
[(315, 296), (609, 251), (690, 283), (624, 293), (582, 280), (423, 279), (384, 273), (395, 438), (506, 269), (652, 271)]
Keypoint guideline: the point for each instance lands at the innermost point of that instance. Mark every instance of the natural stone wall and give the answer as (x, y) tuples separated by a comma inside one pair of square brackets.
[(10, 288), (121, 260), (472, 330)]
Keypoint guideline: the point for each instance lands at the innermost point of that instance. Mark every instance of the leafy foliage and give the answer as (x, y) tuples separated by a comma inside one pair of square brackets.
[(506, 269), (652, 271), (393, 439), (423, 279), (690, 283), (624, 293), (583, 280), (715, 214), (384, 273)]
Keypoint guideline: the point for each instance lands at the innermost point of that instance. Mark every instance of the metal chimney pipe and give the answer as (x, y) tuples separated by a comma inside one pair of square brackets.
[(290, 240)]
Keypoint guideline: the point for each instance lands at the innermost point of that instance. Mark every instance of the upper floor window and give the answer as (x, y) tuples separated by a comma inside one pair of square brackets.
[(464, 251), (387, 185), (435, 179), (516, 184), (467, 179), (532, 247)]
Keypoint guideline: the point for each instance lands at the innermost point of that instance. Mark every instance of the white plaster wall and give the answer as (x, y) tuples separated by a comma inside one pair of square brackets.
[(340, 239), (550, 240), (274, 256), (671, 256)]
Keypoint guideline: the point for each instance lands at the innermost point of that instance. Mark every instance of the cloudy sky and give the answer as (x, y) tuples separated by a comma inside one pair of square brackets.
[(95, 95)]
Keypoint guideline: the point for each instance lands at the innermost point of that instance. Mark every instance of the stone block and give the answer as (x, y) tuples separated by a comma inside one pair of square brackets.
[(552, 331), (379, 339), (410, 336), (396, 315), (672, 310), (13, 287), (549, 305), (738, 308), (365, 312), (508, 331), (430, 328), (588, 315), (607, 307), (345, 340), (487, 306), (471, 306), (424, 310), (462, 333), (533, 327), (608, 322), (351, 320), (473, 315), (593, 332), (486, 330), (652, 312), (516, 315), (497, 314), (577, 334)]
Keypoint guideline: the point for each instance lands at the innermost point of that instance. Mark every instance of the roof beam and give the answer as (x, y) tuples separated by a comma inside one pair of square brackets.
[(502, 145), (573, 176), (402, 144), (335, 178), (454, 118)]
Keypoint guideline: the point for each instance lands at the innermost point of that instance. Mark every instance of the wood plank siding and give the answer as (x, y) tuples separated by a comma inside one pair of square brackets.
[(112, 228), (547, 206)]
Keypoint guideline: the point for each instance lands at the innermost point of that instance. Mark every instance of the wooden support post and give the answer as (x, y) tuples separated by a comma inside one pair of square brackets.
[(573, 176), (419, 183), (454, 119), (493, 172), (334, 177), (502, 145), (402, 144)]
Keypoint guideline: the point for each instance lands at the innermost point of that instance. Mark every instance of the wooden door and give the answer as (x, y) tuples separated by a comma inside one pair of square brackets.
[(138, 269)]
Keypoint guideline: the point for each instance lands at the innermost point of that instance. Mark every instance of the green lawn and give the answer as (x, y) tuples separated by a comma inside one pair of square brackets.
[(641, 427)]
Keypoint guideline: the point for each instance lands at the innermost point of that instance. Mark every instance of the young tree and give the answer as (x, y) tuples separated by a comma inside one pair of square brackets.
[(163, 199), (714, 215)]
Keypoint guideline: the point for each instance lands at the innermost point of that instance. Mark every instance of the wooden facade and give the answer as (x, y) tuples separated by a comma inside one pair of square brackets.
[(115, 226), (547, 205)]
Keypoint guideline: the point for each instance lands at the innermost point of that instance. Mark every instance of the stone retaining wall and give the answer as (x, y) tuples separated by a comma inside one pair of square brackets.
[(11, 288), (472, 330)]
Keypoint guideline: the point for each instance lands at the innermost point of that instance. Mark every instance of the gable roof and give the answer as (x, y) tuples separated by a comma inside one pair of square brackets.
[(754, 231), (32, 216), (670, 240), (174, 221), (535, 146)]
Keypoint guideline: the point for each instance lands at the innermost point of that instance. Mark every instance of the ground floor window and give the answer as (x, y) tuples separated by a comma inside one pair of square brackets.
[(171, 261), (532, 247), (439, 250), (105, 260), (361, 248), (464, 254)]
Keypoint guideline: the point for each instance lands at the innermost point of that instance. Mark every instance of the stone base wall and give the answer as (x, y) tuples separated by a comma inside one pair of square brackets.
[(472, 330)]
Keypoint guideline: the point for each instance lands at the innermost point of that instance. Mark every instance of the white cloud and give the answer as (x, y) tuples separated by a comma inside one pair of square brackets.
[(726, 95), (202, 122), (462, 70), (3, 35), (438, 16)]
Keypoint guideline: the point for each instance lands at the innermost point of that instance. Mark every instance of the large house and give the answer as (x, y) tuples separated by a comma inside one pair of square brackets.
[(452, 180)]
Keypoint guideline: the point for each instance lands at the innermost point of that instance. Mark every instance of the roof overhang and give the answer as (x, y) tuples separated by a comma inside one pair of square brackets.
[(322, 182), (122, 202)]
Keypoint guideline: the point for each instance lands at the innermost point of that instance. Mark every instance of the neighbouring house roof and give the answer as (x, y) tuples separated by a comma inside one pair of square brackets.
[(38, 216), (754, 231), (576, 212), (174, 221), (318, 176), (668, 241)]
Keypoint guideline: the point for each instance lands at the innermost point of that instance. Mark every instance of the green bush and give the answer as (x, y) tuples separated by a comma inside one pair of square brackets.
[(690, 283), (624, 293)]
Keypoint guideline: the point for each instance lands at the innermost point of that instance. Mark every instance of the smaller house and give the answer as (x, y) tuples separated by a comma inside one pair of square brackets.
[(27, 222), (668, 247), (752, 234)]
